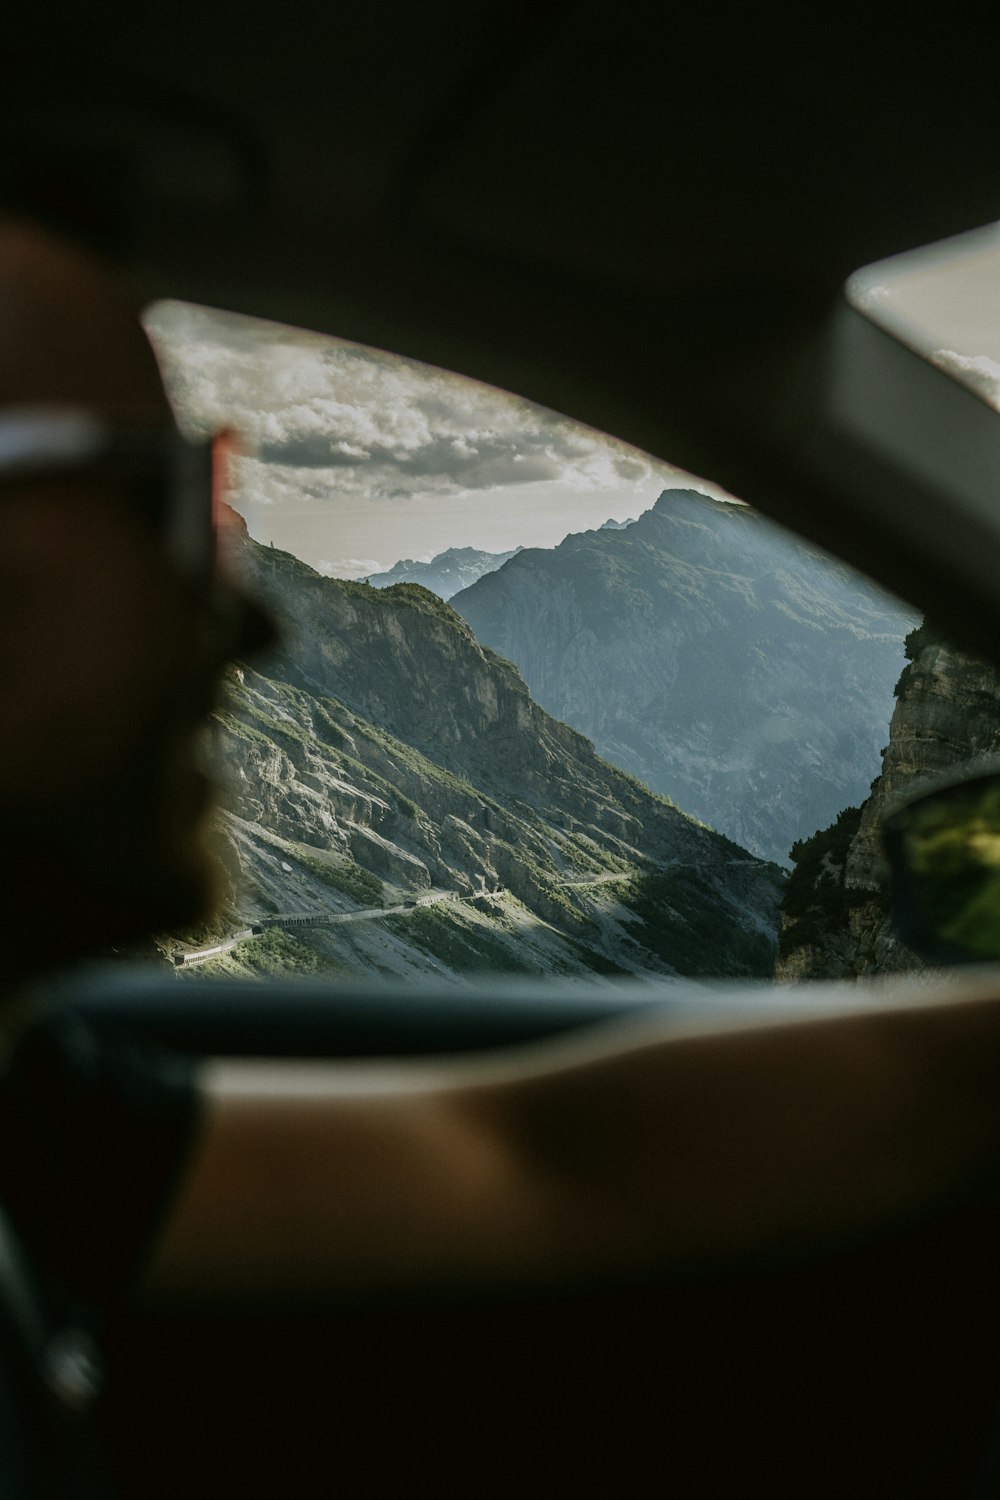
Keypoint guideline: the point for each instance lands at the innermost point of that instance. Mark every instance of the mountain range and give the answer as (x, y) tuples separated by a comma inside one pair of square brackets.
[(445, 574), (726, 663), (398, 803)]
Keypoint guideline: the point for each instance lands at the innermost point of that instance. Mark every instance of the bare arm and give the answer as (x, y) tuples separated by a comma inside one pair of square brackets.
[(625, 1151)]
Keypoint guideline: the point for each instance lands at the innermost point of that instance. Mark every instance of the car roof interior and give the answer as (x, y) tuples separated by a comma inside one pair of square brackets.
[(645, 222)]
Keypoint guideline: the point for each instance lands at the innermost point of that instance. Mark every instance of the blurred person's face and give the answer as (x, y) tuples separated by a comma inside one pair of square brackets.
[(110, 659), (109, 671)]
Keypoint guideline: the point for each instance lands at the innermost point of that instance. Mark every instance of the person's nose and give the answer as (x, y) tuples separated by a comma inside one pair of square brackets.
[(257, 628), (239, 625)]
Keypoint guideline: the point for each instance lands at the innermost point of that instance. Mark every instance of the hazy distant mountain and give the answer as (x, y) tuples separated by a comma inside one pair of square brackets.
[(612, 525), (392, 780), (726, 663), (445, 574)]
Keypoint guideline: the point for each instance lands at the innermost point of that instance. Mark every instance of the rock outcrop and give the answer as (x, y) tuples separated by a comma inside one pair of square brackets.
[(835, 916)]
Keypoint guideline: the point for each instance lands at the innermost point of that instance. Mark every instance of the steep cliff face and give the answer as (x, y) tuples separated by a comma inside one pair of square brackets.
[(394, 777), (835, 920), (727, 664)]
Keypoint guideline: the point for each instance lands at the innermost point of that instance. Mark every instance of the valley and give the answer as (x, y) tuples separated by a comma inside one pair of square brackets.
[(383, 756)]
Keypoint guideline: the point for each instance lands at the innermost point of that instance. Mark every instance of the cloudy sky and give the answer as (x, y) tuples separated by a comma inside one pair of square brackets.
[(358, 458)]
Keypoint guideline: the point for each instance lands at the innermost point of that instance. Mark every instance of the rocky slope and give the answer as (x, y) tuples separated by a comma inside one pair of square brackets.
[(835, 919), (385, 762), (447, 573), (727, 664)]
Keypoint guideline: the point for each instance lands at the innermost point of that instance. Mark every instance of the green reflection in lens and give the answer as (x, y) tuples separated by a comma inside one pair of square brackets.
[(953, 852)]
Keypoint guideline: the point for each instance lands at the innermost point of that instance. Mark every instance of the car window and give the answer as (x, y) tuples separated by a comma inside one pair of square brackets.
[(543, 705)]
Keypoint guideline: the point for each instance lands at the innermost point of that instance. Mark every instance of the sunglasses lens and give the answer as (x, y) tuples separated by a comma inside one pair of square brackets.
[(945, 854)]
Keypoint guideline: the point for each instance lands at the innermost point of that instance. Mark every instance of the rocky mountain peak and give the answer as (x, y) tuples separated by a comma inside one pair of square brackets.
[(730, 666), (447, 573)]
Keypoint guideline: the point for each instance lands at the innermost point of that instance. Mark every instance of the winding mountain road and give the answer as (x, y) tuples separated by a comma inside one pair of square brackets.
[(189, 958)]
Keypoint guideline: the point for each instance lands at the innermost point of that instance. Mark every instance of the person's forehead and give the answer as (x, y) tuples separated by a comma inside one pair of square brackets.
[(69, 332)]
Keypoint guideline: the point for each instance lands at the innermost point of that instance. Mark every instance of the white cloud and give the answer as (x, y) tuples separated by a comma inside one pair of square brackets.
[(350, 567), (977, 371), (866, 295), (324, 418)]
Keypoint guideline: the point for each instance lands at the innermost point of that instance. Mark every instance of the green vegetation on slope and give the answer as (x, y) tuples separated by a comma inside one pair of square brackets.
[(344, 876), (275, 953), (467, 950), (680, 921), (817, 903), (918, 639)]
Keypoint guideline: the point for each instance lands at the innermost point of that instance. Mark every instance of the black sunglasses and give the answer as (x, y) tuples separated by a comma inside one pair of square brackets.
[(179, 486), (943, 849)]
